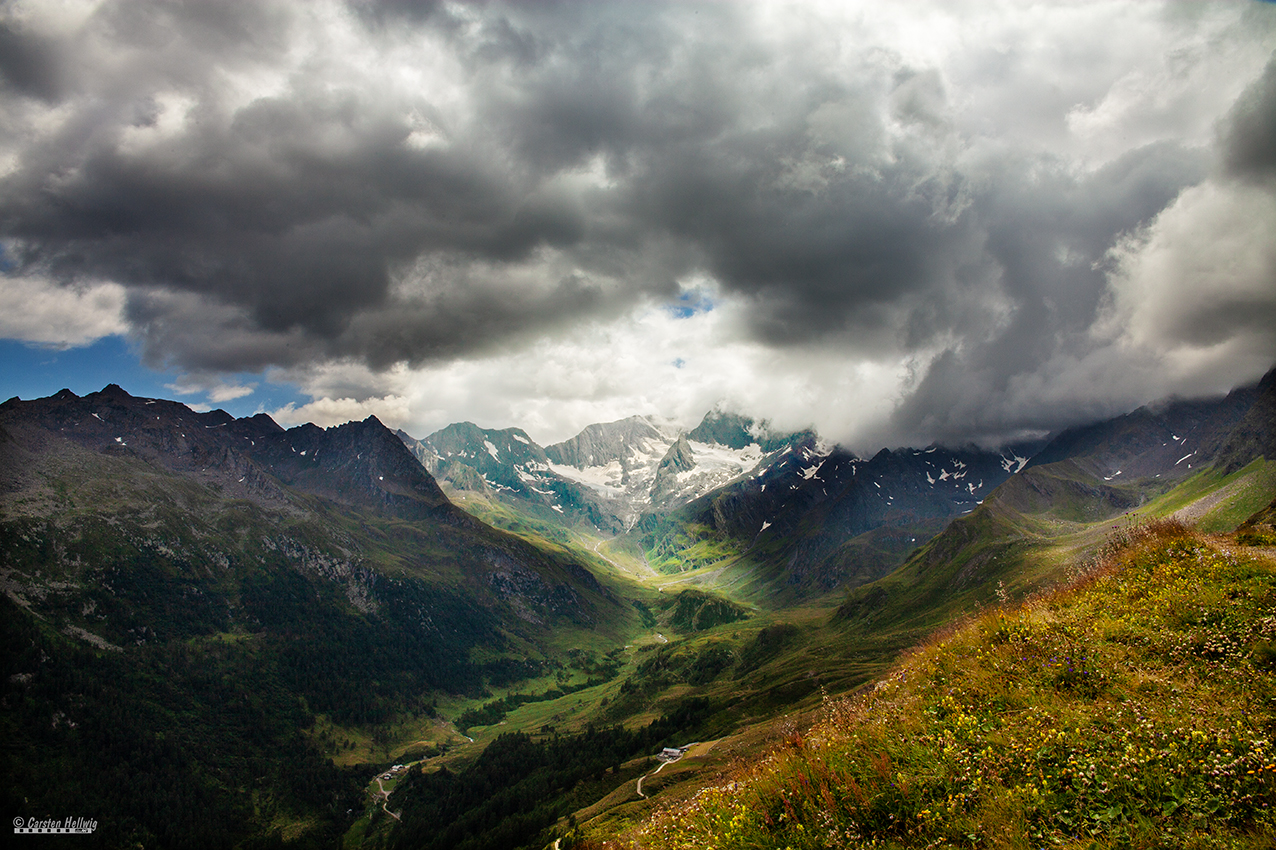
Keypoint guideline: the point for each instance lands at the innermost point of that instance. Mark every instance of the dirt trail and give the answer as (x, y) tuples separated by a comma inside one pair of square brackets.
[(1191, 513)]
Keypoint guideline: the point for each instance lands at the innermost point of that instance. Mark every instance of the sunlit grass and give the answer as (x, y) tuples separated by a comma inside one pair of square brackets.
[(1133, 709)]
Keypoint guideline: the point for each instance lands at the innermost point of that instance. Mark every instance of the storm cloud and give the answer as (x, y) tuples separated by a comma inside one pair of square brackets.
[(993, 204)]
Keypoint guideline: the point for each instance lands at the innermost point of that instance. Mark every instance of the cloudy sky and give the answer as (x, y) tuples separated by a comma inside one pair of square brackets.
[(897, 222)]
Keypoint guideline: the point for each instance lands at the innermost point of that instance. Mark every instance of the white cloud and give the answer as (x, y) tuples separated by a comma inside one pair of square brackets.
[(647, 362), (39, 311), (217, 390), (391, 410), (229, 392), (1199, 283)]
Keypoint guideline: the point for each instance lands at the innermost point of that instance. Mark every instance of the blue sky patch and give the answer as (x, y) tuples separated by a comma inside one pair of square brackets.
[(689, 304), (34, 371)]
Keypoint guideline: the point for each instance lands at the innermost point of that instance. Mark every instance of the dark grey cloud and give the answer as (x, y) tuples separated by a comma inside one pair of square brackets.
[(1047, 235), (29, 64), (400, 182), (253, 210), (300, 208), (1250, 131)]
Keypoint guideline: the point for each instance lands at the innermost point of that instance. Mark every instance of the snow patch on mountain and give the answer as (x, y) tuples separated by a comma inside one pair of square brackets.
[(1014, 463), (604, 480)]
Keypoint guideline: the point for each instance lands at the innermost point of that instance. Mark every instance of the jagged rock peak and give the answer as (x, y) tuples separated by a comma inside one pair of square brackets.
[(736, 431), (679, 457), (111, 393), (263, 420)]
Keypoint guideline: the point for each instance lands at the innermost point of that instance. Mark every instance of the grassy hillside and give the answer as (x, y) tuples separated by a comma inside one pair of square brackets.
[(1029, 531), (1133, 708)]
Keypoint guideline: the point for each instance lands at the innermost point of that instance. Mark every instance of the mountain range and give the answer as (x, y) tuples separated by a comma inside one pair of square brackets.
[(252, 623), (610, 474), (809, 515)]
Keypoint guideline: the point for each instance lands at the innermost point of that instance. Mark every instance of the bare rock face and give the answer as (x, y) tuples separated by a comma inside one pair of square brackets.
[(1255, 434), (675, 465), (601, 444)]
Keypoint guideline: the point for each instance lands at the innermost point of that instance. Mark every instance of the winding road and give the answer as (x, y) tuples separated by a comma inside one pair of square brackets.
[(663, 764), (386, 795)]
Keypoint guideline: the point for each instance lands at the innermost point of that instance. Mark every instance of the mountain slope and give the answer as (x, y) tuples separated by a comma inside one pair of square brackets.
[(818, 519), (1255, 434), (645, 467), (735, 431), (1169, 439), (1132, 710), (307, 572), (1070, 496), (508, 466)]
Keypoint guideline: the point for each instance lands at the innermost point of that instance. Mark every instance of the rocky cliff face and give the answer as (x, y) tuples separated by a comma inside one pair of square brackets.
[(612, 442), (1254, 435), (674, 468)]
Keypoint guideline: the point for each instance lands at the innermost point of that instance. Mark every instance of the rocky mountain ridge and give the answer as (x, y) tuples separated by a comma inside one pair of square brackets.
[(332, 484), (1085, 483), (358, 463), (609, 475), (810, 516), (816, 519)]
